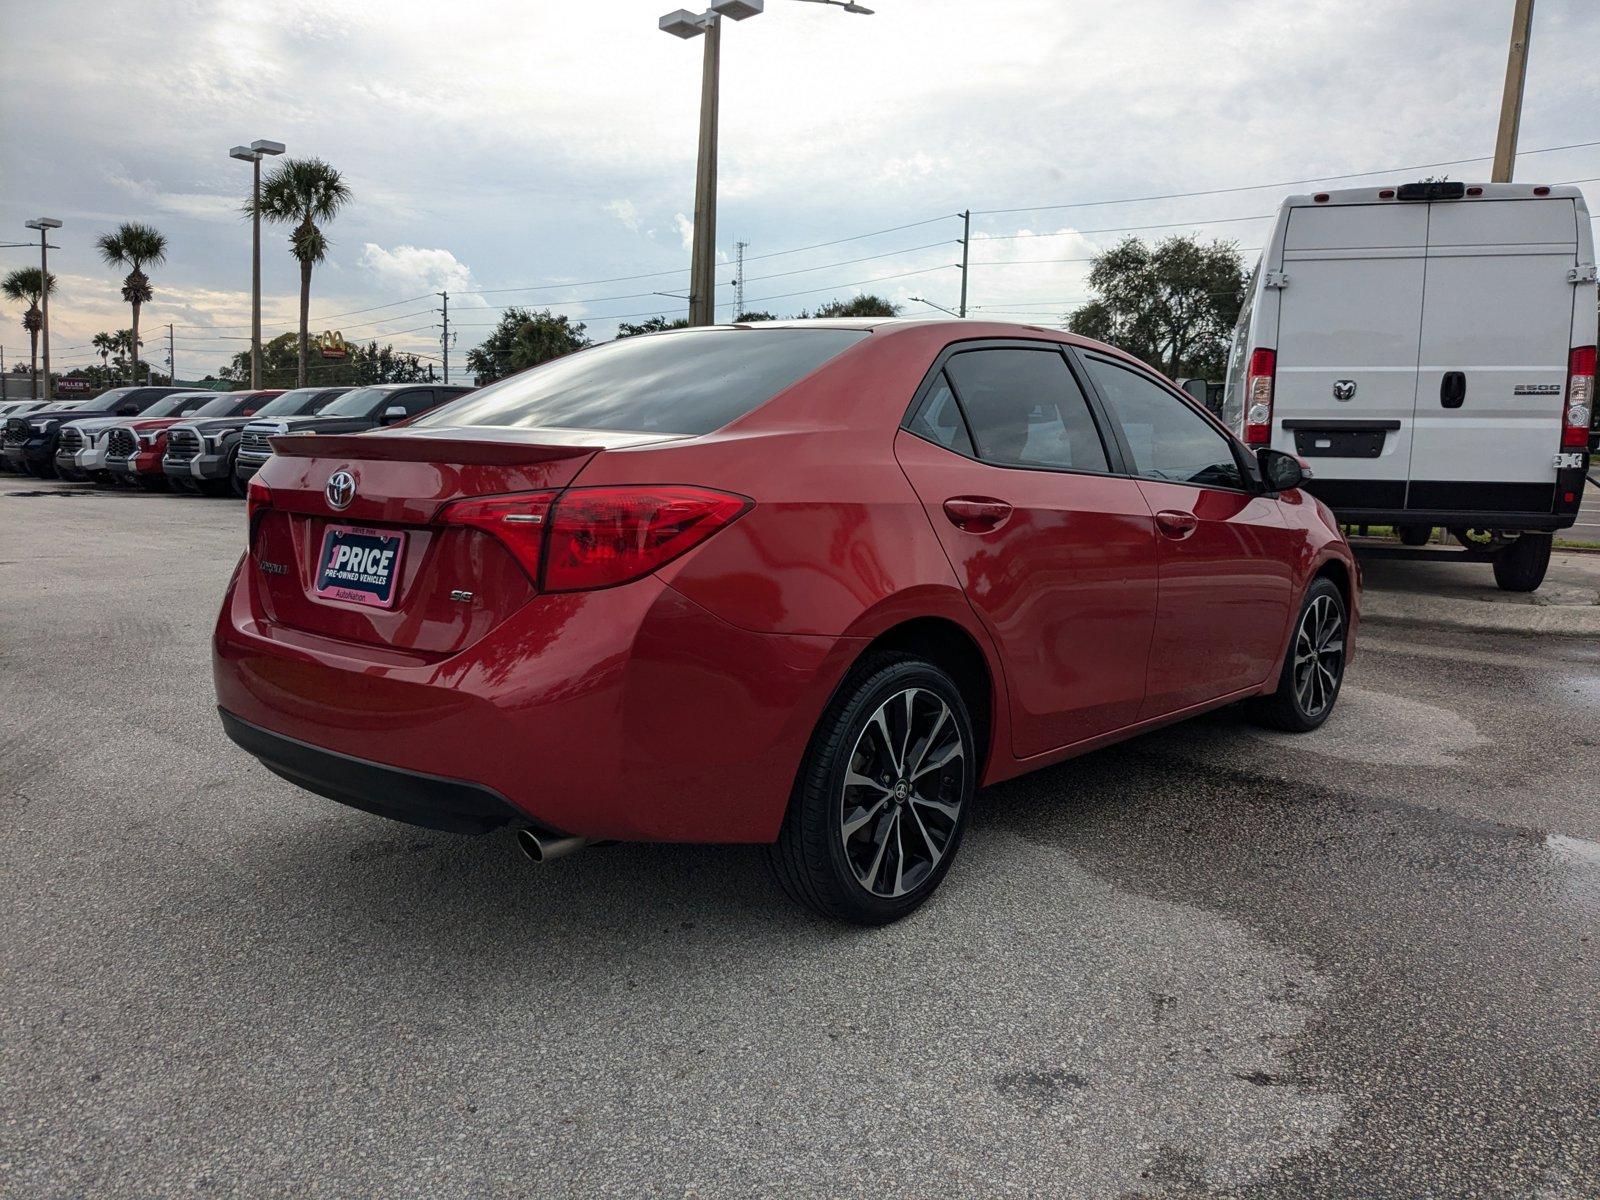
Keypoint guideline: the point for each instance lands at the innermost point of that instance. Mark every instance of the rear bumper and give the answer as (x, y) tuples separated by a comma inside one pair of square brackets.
[(630, 714), (1454, 519), (434, 802)]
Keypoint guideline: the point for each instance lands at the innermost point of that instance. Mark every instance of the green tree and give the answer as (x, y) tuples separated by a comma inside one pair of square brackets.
[(653, 325), (746, 318), (1172, 305), (104, 343), (360, 365), (522, 339), (134, 245), (26, 285), (301, 192), (863, 305)]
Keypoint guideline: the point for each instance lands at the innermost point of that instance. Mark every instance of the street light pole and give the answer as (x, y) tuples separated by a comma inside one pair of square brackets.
[(703, 256), (44, 225), (253, 154)]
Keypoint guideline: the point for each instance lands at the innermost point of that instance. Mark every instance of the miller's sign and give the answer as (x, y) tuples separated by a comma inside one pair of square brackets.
[(73, 387)]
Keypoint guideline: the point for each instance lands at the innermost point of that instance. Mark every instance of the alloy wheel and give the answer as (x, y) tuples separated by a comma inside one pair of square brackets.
[(900, 804), (1318, 655)]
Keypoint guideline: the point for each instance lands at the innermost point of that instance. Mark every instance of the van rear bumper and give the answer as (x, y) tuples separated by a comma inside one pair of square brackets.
[(1453, 518)]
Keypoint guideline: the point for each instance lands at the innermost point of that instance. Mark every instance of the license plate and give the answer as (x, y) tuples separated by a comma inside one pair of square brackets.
[(360, 565)]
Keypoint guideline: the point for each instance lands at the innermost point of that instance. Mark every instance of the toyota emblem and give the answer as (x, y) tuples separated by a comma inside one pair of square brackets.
[(341, 489), (1344, 389)]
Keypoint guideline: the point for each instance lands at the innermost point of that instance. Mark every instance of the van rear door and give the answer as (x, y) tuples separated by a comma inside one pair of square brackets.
[(1496, 331), (1348, 332)]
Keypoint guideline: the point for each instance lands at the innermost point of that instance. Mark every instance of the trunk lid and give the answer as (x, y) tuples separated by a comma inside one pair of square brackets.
[(451, 584)]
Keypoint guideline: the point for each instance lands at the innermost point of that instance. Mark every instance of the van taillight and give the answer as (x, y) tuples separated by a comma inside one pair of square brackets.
[(1258, 397), (588, 538), (1580, 398)]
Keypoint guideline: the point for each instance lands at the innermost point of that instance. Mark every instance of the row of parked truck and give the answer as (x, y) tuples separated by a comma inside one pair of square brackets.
[(162, 438)]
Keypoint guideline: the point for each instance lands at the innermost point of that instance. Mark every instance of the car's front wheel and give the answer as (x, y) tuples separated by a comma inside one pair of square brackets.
[(1313, 669), (883, 794)]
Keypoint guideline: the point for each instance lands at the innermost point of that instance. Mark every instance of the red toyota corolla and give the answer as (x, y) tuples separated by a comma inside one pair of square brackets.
[(808, 584)]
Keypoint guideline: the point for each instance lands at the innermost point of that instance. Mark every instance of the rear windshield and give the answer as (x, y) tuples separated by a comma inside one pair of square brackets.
[(686, 383)]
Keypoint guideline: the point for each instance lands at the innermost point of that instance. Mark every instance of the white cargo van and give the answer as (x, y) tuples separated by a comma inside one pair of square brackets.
[(1429, 351)]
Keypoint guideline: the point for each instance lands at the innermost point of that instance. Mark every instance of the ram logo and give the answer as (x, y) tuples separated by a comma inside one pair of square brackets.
[(1344, 389)]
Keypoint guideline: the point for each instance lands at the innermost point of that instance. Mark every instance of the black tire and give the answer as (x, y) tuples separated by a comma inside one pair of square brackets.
[(1415, 535), (824, 867), (1520, 567), (241, 488), (150, 483), (1308, 688)]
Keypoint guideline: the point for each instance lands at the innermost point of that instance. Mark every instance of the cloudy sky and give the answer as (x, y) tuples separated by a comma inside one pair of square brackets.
[(541, 152)]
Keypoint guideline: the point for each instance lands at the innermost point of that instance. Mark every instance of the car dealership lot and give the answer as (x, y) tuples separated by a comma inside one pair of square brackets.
[(1213, 959)]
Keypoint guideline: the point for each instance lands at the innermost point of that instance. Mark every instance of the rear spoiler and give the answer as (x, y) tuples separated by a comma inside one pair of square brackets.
[(400, 448)]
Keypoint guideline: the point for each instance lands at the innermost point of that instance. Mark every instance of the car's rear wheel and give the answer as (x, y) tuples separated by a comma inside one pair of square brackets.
[(1313, 669), (1520, 567), (883, 795)]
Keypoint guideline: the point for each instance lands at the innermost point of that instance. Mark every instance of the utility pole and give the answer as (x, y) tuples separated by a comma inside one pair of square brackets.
[(44, 225), (702, 267), (444, 339), (966, 238), (172, 358), (738, 284), (1505, 144)]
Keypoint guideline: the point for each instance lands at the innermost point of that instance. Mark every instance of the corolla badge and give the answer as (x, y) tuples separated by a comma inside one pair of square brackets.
[(1344, 389), (341, 489)]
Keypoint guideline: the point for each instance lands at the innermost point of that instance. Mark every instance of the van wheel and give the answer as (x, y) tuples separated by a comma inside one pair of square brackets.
[(1313, 669), (1415, 535), (883, 794), (1520, 567)]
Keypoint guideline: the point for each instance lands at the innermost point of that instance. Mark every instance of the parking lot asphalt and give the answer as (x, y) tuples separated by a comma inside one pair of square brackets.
[(1214, 961)]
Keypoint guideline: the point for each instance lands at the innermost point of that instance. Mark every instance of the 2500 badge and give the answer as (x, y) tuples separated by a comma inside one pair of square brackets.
[(360, 565)]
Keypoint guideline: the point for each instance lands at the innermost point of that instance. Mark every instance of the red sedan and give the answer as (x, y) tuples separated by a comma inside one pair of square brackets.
[(808, 584)]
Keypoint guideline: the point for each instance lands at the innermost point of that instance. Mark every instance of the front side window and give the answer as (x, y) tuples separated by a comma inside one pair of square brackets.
[(690, 382), (416, 402), (1167, 438), (1025, 410), (222, 406)]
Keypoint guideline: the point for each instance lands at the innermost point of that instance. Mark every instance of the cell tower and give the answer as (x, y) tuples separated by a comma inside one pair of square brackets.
[(738, 284)]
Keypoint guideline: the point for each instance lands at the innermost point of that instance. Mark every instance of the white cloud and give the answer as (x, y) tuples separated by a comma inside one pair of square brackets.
[(626, 212), (415, 270), (685, 228)]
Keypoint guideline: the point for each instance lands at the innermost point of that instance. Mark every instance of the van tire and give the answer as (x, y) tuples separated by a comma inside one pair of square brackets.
[(1416, 535), (1520, 567)]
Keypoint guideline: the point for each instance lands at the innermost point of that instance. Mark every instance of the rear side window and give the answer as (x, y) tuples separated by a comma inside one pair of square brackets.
[(939, 420), (1026, 410), (1168, 439), (684, 383)]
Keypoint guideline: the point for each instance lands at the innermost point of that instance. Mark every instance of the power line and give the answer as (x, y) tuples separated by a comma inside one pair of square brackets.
[(1251, 187)]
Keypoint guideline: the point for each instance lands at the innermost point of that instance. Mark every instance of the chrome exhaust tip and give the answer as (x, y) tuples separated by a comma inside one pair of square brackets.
[(542, 849)]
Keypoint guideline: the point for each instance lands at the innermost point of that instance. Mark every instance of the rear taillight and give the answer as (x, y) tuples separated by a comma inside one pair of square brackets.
[(519, 521), (1580, 398), (1258, 397), (257, 499), (598, 537)]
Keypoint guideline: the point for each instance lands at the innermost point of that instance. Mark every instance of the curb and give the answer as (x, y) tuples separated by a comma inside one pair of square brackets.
[(1543, 620)]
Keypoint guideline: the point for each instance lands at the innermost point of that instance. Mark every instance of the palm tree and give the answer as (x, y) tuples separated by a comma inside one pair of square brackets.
[(22, 285), (301, 192), (104, 344), (133, 245)]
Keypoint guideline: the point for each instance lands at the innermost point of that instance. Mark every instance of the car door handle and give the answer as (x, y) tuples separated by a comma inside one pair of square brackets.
[(1176, 524), (1452, 389), (976, 514)]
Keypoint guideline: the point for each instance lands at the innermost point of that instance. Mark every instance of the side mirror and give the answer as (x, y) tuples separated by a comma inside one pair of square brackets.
[(393, 413), (1279, 471)]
